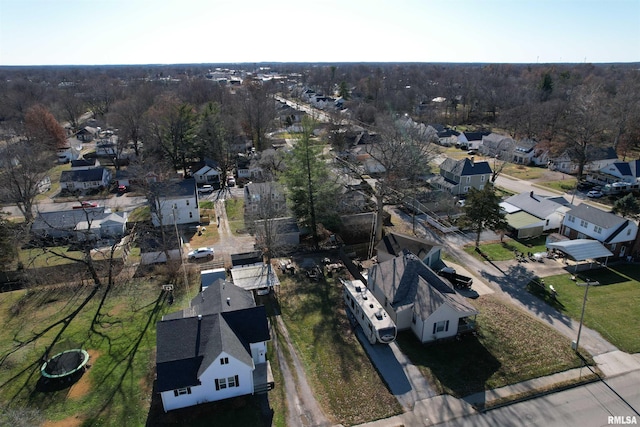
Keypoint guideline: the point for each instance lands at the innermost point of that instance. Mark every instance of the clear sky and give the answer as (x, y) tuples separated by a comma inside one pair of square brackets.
[(92, 32)]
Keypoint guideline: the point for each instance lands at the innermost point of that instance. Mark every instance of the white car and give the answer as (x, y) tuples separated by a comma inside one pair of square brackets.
[(205, 189), (200, 253), (594, 194)]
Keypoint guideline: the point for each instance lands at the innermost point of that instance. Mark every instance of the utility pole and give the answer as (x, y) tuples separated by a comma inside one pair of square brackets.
[(584, 304)]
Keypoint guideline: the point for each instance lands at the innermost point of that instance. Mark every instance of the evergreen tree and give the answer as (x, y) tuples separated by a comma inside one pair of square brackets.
[(627, 206), (310, 188), (482, 211)]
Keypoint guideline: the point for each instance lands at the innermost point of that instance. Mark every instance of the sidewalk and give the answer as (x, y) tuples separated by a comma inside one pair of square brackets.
[(443, 408)]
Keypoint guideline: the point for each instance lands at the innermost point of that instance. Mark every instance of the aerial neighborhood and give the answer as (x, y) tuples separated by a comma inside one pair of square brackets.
[(263, 244)]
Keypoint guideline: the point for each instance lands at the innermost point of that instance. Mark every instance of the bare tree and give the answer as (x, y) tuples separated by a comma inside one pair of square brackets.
[(265, 217), (258, 107), (582, 125), (26, 162), (403, 152)]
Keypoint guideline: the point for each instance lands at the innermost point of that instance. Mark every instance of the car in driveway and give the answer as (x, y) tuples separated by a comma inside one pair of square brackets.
[(200, 253), (205, 189), (595, 194)]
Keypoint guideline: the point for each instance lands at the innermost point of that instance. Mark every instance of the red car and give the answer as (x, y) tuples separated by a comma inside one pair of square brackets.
[(86, 205), (122, 188)]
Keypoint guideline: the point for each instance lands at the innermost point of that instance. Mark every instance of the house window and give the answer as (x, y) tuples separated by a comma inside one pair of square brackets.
[(222, 383), (597, 229), (584, 223), (175, 206), (181, 391), (483, 178), (466, 189), (481, 187), (613, 246), (224, 360), (547, 223), (187, 202), (442, 326), (571, 218), (190, 214), (468, 179)]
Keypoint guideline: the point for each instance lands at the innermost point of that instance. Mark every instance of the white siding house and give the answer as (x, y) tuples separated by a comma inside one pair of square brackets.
[(174, 203)]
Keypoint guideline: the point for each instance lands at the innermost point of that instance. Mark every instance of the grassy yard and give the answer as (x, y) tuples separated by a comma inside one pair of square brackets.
[(343, 379), (235, 214), (613, 307), (117, 327), (505, 251), (523, 172), (511, 346), (564, 185)]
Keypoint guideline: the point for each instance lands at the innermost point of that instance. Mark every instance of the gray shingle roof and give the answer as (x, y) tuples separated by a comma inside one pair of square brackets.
[(464, 167), (534, 204), (82, 175), (183, 188), (596, 216), (67, 220), (405, 280), (394, 243), (187, 346)]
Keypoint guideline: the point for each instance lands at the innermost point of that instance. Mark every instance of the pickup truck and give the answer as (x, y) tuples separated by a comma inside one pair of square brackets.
[(457, 280)]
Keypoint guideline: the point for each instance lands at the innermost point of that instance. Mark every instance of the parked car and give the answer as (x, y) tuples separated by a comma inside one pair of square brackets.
[(231, 182), (200, 253), (595, 194), (122, 189), (584, 185), (205, 189)]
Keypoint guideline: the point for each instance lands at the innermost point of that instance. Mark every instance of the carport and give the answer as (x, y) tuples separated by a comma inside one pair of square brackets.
[(582, 250)]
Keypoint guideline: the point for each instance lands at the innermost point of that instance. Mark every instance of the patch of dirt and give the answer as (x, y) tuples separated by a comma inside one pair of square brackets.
[(74, 421), (83, 385)]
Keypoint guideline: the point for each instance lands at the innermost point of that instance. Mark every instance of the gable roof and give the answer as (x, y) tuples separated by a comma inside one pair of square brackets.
[(171, 189), (535, 204), (84, 162), (83, 175), (475, 136), (220, 297), (395, 243), (596, 216), (404, 280), (465, 167), (67, 220), (189, 341)]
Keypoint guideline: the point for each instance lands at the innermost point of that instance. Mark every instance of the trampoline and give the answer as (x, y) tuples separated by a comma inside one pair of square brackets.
[(65, 364)]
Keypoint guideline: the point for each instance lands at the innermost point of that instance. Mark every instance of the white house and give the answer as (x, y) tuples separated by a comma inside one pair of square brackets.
[(597, 158), (416, 298), (616, 233), (209, 174), (174, 203), (76, 224), (215, 349), (85, 179)]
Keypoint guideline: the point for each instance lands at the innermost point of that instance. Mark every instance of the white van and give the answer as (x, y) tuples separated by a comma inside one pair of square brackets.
[(205, 189)]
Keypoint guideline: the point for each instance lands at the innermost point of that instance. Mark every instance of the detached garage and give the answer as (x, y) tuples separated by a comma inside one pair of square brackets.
[(525, 225)]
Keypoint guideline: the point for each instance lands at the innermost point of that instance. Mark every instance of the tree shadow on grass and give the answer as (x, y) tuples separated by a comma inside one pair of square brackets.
[(514, 283), (34, 368), (460, 367), (126, 359)]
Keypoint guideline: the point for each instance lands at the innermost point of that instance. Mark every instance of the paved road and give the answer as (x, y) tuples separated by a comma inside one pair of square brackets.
[(585, 406)]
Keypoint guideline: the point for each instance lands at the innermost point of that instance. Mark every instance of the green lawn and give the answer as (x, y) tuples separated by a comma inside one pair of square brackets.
[(235, 214), (511, 347), (117, 327), (342, 377), (505, 251), (564, 185), (613, 308)]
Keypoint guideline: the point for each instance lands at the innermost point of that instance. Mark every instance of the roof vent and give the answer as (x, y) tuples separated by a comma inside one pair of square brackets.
[(199, 316), (228, 301)]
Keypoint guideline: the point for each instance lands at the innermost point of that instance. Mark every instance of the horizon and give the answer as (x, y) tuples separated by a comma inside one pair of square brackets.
[(144, 32)]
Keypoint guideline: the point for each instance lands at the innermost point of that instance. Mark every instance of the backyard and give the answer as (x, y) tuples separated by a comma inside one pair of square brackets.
[(613, 306), (116, 325), (505, 250)]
